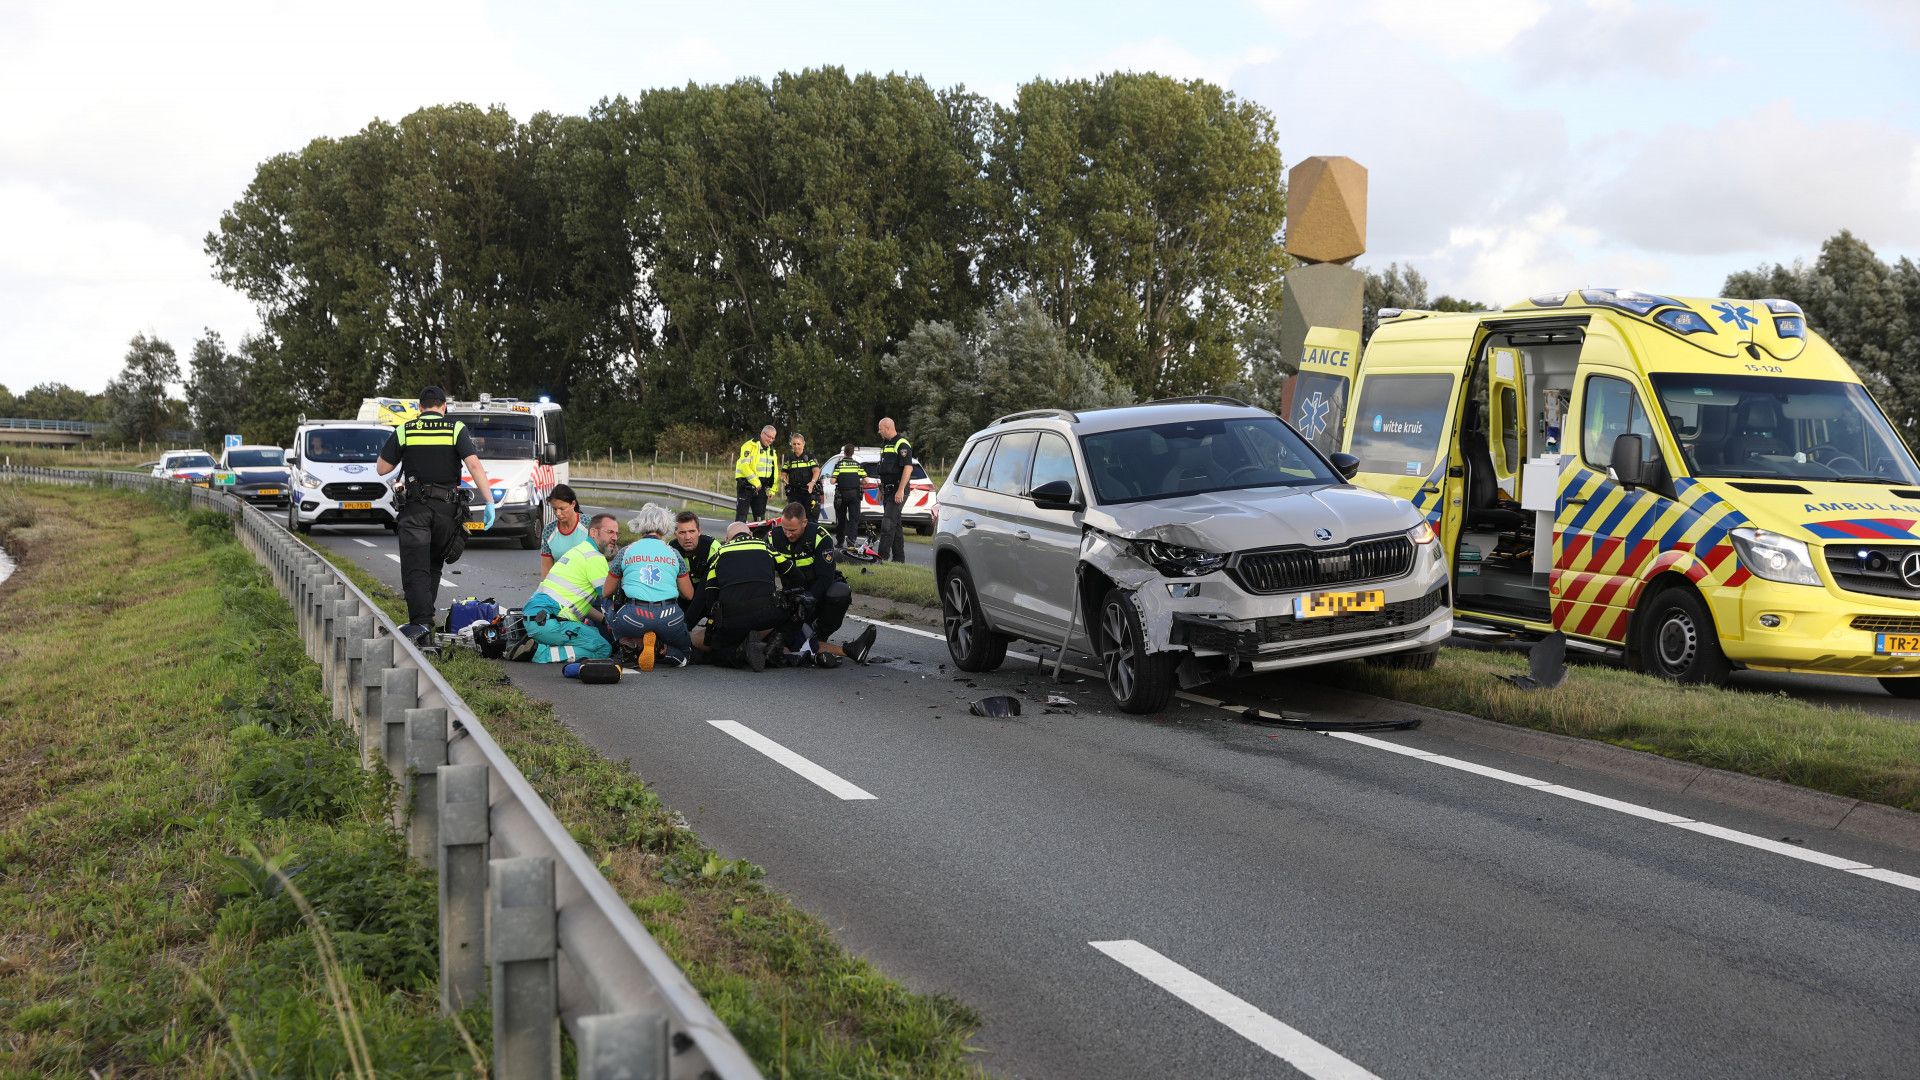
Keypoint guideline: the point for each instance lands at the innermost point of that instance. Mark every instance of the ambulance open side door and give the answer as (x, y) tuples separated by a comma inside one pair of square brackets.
[(1405, 411)]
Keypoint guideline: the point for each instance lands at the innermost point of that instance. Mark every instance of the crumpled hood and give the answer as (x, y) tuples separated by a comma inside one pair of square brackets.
[(1258, 518)]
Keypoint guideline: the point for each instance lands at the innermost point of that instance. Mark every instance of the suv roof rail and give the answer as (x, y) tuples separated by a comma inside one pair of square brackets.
[(1199, 399), (1060, 413)]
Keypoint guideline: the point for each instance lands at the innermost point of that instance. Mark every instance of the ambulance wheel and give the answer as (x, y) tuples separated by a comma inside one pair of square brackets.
[(531, 538), (973, 646), (923, 530), (1902, 688), (1678, 640)]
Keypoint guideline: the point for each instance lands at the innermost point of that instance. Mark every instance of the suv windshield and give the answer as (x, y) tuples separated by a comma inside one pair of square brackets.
[(1168, 460), (344, 444), (501, 436), (190, 461), (251, 459), (1799, 429)]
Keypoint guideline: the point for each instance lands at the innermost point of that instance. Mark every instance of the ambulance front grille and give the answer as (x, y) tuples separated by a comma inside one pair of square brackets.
[(1876, 569)]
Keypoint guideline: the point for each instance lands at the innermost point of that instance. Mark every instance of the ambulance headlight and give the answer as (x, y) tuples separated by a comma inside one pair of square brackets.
[(1775, 557)]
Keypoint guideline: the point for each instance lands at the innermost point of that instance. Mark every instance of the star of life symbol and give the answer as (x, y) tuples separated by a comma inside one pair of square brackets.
[(650, 575), (1313, 414), (1740, 317)]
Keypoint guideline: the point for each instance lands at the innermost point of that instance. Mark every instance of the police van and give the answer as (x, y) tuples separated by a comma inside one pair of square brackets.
[(333, 478), (522, 444), (1700, 484)]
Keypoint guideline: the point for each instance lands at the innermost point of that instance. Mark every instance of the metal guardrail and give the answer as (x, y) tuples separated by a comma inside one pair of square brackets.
[(653, 487), (521, 905), (28, 423)]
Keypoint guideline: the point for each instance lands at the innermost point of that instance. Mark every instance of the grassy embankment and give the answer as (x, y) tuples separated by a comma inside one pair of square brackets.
[(188, 751), (163, 747), (800, 1004)]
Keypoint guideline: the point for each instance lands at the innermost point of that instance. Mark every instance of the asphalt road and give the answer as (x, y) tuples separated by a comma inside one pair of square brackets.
[(1187, 895)]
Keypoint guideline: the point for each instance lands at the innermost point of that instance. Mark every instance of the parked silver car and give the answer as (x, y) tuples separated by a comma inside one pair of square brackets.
[(1179, 541)]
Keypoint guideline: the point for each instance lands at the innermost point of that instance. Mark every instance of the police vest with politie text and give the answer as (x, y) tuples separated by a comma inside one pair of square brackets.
[(896, 457), (800, 477), (756, 464), (746, 571), (849, 476), (429, 454), (814, 567)]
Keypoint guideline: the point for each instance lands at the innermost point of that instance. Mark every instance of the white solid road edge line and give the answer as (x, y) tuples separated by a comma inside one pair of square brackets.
[(1281, 1040), (1791, 851), (791, 760)]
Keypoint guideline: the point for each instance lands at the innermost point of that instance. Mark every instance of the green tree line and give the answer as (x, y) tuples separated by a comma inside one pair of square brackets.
[(724, 255), (1867, 309)]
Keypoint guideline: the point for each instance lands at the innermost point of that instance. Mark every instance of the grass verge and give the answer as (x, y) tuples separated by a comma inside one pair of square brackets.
[(905, 582), (196, 877), (801, 1005), (1843, 751)]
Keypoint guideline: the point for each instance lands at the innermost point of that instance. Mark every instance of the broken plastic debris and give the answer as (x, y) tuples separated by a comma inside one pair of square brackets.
[(997, 706), (1303, 722), (1059, 699)]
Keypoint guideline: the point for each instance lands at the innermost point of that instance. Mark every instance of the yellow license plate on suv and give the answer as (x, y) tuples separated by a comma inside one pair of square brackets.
[(474, 526), (1323, 604), (356, 506), (1896, 644)]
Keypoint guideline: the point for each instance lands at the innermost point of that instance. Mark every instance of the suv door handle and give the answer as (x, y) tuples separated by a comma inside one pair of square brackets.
[(967, 523), (1022, 534)]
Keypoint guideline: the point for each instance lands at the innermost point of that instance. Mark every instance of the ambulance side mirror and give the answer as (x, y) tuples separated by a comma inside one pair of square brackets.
[(1630, 467), (549, 453), (1345, 464)]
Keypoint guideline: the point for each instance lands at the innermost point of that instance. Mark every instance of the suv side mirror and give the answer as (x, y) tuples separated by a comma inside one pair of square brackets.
[(1629, 467), (1055, 495), (1345, 464)]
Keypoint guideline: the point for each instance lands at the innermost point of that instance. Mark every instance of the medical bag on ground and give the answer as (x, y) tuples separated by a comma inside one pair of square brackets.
[(471, 610), (592, 671)]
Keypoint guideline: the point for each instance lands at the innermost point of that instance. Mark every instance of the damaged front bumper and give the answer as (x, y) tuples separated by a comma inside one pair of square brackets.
[(1271, 642)]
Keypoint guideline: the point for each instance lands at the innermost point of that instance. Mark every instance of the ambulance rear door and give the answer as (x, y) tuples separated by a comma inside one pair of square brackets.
[(1320, 391)]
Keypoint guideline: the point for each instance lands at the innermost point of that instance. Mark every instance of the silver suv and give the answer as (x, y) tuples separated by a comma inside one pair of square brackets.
[(1181, 540)]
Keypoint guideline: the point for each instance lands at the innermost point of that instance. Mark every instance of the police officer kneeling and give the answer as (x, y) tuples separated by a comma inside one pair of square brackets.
[(429, 450), (743, 600), (825, 597)]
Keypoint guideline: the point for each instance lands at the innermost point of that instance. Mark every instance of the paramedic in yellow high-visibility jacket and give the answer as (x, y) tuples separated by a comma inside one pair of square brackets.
[(753, 473)]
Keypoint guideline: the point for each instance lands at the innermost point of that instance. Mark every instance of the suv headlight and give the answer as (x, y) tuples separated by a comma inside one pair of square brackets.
[(1173, 560), (1775, 557), (1423, 535)]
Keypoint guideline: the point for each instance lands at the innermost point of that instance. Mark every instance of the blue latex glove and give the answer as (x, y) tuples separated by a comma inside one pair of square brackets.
[(488, 515)]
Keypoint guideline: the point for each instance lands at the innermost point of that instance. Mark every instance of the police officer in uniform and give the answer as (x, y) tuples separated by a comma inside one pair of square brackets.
[(896, 469), (803, 478), (753, 473), (827, 595), (429, 450), (743, 600), (849, 491)]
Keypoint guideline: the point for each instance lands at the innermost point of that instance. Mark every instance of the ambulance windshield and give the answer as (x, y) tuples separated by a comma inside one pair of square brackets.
[(1796, 429)]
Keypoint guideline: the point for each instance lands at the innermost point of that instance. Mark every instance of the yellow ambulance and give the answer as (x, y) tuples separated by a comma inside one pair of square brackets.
[(1701, 484)]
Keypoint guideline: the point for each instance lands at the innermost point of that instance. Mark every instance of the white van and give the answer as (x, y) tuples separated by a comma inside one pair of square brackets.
[(523, 445), (331, 466)]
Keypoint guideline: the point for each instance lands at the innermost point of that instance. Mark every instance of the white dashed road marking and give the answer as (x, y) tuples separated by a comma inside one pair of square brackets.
[(1287, 1043), (791, 760)]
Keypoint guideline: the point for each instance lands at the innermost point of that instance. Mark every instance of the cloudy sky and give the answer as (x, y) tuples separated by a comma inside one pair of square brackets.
[(1514, 146)]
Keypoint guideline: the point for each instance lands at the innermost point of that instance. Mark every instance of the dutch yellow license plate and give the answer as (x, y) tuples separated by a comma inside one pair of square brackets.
[(269, 491), (356, 506), (1897, 644), (474, 526), (1323, 604)]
